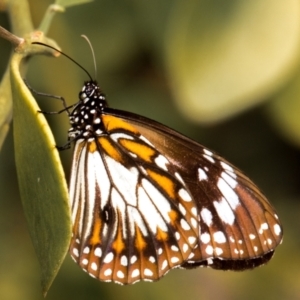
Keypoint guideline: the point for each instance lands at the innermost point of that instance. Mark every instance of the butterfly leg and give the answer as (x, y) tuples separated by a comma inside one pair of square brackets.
[(66, 108)]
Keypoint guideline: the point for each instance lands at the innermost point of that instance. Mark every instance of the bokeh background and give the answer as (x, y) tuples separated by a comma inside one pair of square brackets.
[(225, 73)]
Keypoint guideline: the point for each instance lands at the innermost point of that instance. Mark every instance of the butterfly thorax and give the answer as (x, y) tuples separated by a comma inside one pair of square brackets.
[(85, 119)]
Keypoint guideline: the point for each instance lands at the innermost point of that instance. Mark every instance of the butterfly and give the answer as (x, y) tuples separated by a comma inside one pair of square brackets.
[(146, 199)]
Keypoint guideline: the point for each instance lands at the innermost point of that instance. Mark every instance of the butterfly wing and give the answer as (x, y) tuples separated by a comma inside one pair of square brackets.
[(238, 227), (133, 218)]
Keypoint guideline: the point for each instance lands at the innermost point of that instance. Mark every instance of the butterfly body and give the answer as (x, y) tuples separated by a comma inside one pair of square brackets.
[(146, 199)]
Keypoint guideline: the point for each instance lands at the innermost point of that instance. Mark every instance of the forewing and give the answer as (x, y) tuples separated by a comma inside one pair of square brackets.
[(238, 228)]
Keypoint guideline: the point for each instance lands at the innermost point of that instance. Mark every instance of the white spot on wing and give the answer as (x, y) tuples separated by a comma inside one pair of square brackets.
[(202, 174), (184, 224), (148, 272), (251, 236), (94, 266), (75, 252), (124, 261), (107, 272), (232, 182), (224, 211), (277, 229), (209, 250), (218, 250), (228, 193), (208, 152), (164, 264), (86, 250), (179, 178), (219, 237), (133, 259), (135, 273), (184, 195), (209, 158), (152, 259), (206, 216), (98, 252), (108, 258), (161, 162), (117, 136), (205, 237), (174, 259), (120, 274)]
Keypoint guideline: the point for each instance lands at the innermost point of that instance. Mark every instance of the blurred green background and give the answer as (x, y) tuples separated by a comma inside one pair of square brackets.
[(225, 73)]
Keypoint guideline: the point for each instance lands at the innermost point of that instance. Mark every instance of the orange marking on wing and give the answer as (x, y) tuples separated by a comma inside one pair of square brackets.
[(118, 244), (140, 243), (111, 123), (109, 148), (92, 146), (144, 152), (161, 235), (95, 239), (166, 183), (173, 216)]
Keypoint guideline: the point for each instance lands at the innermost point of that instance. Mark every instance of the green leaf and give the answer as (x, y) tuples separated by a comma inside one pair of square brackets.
[(5, 107), (41, 179), (226, 56)]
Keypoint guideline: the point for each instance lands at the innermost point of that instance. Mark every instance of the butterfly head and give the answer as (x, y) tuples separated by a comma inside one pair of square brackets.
[(92, 92)]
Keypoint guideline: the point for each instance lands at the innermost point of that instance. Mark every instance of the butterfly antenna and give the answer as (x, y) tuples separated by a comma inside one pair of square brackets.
[(70, 58), (93, 53)]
